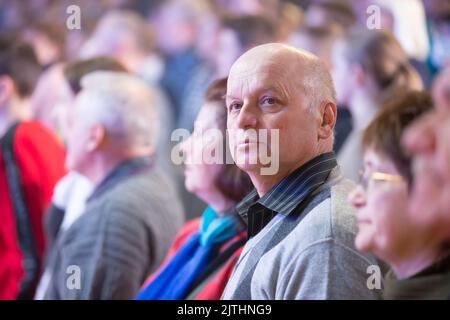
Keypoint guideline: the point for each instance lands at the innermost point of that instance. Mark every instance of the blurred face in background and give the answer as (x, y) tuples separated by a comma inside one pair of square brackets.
[(199, 174), (227, 52), (441, 89), (175, 31), (52, 98), (381, 201), (429, 141), (341, 73), (78, 140)]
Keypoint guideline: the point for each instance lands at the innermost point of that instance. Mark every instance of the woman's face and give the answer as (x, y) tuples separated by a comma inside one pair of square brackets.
[(381, 203), (203, 152)]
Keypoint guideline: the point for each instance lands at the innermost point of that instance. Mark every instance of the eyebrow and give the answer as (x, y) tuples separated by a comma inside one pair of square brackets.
[(271, 88)]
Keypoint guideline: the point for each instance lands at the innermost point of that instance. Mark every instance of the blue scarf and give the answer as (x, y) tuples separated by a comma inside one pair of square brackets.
[(174, 281)]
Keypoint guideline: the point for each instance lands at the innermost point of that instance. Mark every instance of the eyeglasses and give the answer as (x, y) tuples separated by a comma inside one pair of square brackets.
[(368, 182)]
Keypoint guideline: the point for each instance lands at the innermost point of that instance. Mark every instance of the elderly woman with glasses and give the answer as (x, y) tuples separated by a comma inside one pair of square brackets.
[(384, 225)]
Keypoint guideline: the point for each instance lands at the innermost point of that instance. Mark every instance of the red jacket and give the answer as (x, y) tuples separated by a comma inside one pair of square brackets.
[(40, 158), (212, 290)]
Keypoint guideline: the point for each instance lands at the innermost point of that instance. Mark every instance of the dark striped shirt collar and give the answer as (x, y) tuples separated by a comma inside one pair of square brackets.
[(286, 195)]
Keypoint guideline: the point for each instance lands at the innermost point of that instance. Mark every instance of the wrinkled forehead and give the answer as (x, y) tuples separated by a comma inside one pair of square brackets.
[(251, 75)]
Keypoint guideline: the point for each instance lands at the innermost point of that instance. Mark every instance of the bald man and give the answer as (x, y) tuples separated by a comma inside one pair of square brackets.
[(301, 228)]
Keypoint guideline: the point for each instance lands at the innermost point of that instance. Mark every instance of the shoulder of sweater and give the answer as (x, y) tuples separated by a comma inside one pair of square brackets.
[(331, 219), (151, 185)]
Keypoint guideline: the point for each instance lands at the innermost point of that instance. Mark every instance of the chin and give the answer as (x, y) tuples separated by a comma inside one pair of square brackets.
[(242, 160), (189, 187), (363, 243)]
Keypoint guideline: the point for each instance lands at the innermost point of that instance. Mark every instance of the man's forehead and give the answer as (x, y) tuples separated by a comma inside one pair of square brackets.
[(257, 82)]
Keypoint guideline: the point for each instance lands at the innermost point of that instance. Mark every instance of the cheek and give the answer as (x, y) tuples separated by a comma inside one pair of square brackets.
[(201, 177), (424, 193), (365, 238), (390, 220), (298, 130)]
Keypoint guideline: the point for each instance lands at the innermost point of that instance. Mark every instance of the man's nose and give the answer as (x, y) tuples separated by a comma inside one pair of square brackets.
[(357, 197), (247, 117)]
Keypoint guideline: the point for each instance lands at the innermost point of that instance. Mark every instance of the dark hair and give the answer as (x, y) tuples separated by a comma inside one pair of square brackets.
[(340, 13), (73, 72), (231, 181), (385, 131), (18, 61), (251, 30), (383, 58)]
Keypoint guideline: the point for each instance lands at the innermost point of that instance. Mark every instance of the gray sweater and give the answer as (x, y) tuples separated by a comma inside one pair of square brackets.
[(121, 238), (311, 256)]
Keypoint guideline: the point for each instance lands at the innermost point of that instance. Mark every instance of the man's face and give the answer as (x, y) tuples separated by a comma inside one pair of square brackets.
[(77, 137), (429, 141), (441, 89), (266, 94)]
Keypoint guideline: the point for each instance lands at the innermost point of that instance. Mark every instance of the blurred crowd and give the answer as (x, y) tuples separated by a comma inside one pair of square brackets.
[(93, 205)]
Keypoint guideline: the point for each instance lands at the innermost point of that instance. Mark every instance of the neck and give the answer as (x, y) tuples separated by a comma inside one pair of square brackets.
[(415, 261), (217, 201), (264, 183), (18, 110), (133, 62), (105, 162), (363, 109)]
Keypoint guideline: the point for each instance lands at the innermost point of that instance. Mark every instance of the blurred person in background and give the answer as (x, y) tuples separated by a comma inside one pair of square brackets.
[(176, 23), (325, 13), (133, 213), (48, 41), (438, 18), (267, 8), (290, 17), (320, 41), (206, 249), (441, 88), (127, 37), (71, 191), (429, 141), (369, 68), (324, 20), (419, 258), (31, 162), (407, 21)]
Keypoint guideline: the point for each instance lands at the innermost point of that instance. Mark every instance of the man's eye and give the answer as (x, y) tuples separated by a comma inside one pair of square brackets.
[(269, 101), (235, 106)]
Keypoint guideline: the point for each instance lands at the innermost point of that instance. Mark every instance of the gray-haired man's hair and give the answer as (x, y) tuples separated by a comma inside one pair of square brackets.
[(317, 83), (123, 104)]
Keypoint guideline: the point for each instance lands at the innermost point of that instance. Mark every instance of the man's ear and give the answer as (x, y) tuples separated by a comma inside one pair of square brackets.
[(97, 137), (328, 113), (6, 90)]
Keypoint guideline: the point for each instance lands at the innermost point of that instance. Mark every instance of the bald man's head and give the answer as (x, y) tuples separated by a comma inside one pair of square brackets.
[(287, 93), (307, 73)]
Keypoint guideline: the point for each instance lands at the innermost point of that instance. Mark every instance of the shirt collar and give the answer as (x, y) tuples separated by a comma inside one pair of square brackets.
[(120, 172), (290, 191)]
